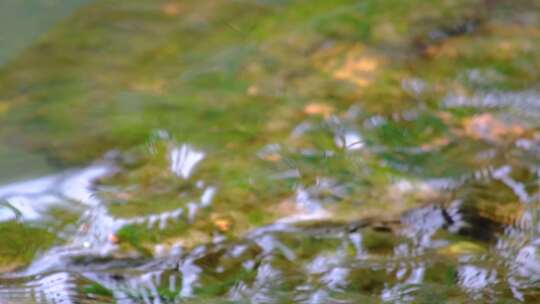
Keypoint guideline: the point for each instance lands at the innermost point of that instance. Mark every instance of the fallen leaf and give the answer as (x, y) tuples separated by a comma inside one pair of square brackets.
[(318, 109), (113, 238), (171, 9), (272, 157), (222, 223)]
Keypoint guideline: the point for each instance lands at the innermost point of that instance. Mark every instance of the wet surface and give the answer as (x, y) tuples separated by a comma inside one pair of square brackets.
[(30, 19), (373, 152)]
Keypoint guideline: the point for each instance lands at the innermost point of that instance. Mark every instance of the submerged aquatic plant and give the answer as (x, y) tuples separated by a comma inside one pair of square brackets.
[(276, 151)]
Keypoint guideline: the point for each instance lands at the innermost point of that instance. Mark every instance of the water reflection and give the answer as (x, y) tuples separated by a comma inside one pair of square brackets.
[(183, 160), (31, 199), (95, 236)]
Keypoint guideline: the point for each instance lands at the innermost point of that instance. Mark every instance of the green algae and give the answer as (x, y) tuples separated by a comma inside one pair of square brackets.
[(188, 96), (21, 243), (231, 78)]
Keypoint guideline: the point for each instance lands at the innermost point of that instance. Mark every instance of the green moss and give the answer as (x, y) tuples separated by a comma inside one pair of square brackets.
[(137, 237), (376, 241), (230, 77), (21, 242), (96, 289)]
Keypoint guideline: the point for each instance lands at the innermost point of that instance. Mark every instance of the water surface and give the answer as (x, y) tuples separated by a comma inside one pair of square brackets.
[(23, 22), (274, 152)]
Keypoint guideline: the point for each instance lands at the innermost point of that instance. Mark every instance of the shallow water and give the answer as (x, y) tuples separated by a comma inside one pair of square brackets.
[(274, 152), (30, 19)]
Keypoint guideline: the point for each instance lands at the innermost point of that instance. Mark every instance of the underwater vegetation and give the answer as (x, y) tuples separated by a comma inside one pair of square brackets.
[(274, 151)]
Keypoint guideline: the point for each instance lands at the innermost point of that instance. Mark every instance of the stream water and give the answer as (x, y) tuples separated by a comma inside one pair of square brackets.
[(270, 152)]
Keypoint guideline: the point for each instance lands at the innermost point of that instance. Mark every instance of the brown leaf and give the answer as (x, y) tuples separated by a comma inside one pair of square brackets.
[(113, 238), (222, 223), (171, 9), (272, 157), (318, 109)]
